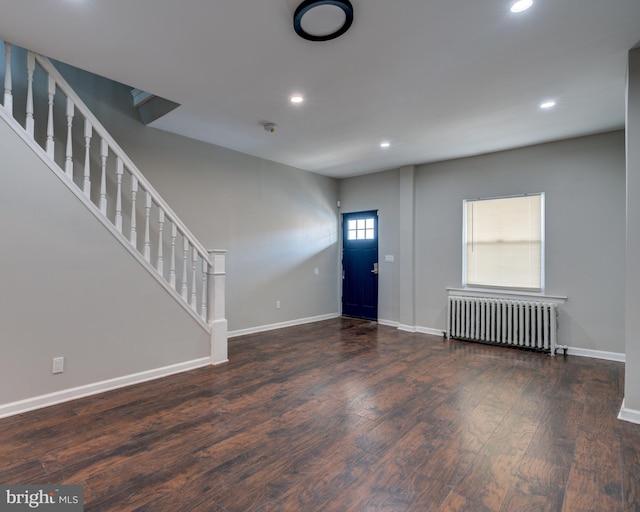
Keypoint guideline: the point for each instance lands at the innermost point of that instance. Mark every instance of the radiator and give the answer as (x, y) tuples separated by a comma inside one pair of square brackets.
[(515, 323)]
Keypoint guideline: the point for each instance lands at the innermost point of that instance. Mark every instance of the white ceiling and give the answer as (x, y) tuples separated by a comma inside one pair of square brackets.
[(439, 79)]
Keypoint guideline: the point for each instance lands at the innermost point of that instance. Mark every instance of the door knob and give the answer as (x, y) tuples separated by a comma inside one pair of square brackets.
[(375, 269)]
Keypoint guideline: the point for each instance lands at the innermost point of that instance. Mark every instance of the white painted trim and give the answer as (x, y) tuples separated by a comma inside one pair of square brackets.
[(95, 388), (280, 325), (432, 331), (505, 294), (219, 342), (422, 330), (630, 415), (596, 354), (412, 328)]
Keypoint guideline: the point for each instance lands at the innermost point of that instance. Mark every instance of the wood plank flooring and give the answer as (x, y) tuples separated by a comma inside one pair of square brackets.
[(344, 415)]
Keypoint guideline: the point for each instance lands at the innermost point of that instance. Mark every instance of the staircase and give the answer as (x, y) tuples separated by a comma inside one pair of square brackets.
[(41, 107)]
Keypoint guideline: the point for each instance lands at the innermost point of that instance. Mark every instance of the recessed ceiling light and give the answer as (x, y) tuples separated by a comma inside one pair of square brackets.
[(521, 5), (385, 144), (296, 98), (545, 105)]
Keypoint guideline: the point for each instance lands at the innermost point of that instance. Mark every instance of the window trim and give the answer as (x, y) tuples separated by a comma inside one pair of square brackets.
[(505, 294), (540, 290)]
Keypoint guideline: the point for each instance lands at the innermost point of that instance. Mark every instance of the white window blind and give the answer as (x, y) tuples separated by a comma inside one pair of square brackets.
[(503, 242)]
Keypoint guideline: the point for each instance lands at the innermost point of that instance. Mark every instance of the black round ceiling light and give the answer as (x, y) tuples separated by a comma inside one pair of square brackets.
[(322, 20)]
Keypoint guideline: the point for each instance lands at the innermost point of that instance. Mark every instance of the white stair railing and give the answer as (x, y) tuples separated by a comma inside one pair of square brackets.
[(101, 173)]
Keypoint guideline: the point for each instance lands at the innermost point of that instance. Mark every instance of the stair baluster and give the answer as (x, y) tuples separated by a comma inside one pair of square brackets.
[(104, 152), (133, 238), (119, 173), (172, 269), (86, 184), (51, 92), (147, 227), (203, 310), (68, 163), (185, 249), (31, 66), (194, 262), (8, 95), (159, 260)]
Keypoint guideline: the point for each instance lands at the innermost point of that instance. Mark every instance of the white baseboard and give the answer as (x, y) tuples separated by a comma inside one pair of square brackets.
[(572, 351), (421, 330), (301, 321), (280, 325), (432, 331), (66, 395), (596, 354), (630, 415), (412, 328)]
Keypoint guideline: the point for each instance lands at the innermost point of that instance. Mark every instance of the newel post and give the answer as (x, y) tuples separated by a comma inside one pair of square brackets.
[(217, 319)]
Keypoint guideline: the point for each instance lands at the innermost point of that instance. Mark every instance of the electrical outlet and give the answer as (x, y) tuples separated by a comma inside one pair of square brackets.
[(58, 365), (277, 304)]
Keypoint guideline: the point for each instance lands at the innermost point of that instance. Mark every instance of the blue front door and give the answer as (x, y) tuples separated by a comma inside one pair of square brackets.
[(360, 265)]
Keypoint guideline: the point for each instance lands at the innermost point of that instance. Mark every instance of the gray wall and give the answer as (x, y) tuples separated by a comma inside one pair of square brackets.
[(278, 223), (380, 191), (632, 373), (584, 183), (70, 289)]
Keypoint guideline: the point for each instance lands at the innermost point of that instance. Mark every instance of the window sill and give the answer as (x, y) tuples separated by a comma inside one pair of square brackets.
[(505, 294)]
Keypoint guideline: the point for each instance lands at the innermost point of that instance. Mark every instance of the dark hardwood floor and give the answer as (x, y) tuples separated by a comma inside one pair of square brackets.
[(344, 415)]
